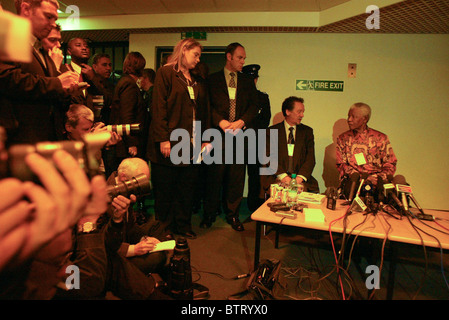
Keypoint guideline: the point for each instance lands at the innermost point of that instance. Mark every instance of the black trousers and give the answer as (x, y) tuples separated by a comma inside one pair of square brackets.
[(225, 184), (174, 188)]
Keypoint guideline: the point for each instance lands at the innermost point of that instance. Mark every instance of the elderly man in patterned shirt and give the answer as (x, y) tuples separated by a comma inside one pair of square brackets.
[(364, 150)]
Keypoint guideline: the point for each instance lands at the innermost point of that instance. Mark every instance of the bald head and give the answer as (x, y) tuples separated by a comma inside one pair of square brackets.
[(131, 167)]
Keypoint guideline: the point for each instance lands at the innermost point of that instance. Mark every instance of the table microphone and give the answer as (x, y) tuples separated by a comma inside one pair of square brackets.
[(406, 190), (380, 190), (355, 177), (364, 177), (401, 186), (390, 190)]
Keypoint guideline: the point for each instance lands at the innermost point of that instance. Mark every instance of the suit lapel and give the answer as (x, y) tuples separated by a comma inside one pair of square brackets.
[(299, 136), (39, 60), (222, 83), (283, 148)]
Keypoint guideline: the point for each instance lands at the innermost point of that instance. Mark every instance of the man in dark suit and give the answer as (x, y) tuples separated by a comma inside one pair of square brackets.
[(79, 51), (233, 100), (32, 92), (296, 148)]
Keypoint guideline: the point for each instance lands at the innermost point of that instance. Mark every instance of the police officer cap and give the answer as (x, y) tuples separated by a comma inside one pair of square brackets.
[(252, 70)]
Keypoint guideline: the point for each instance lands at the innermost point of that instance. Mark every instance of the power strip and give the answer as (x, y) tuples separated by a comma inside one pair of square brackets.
[(286, 214)]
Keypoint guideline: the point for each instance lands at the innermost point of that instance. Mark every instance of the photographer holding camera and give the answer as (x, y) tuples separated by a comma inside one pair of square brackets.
[(80, 121), (37, 222), (138, 239)]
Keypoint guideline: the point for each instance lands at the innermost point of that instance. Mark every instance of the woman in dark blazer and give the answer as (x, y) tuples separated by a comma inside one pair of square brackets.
[(128, 106), (180, 101)]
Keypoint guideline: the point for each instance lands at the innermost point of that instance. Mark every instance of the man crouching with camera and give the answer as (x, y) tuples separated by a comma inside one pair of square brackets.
[(141, 234)]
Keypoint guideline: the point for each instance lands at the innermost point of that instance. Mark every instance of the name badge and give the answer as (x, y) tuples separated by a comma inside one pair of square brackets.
[(191, 92), (290, 148), (231, 92), (360, 159)]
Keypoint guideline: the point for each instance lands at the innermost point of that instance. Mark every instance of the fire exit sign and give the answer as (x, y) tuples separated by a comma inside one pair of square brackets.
[(320, 85), (195, 35)]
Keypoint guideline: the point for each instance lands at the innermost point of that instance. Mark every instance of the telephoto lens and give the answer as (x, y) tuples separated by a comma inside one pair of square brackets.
[(180, 275), (138, 186), (124, 129)]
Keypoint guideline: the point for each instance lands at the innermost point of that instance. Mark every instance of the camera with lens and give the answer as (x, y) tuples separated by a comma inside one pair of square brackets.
[(180, 275), (125, 129), (12, 161), (138, 186)]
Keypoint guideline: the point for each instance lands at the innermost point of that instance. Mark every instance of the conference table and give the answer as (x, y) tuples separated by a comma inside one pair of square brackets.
[(383, 226)]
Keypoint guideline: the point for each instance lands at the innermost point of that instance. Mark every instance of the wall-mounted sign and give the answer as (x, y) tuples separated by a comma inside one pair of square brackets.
[(320, 85), (194, 35)]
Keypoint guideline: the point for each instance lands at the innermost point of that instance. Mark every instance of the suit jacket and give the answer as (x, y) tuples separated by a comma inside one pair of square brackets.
[(303, 156), (128, 107), (84, 98), (30, 96), (263, 116), (246, 98), (172, 108)]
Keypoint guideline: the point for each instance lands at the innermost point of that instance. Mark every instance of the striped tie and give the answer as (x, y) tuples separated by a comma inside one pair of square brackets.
[(232, 101)]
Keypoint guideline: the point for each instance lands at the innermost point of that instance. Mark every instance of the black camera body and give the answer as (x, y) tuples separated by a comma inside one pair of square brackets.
[(86, 152)]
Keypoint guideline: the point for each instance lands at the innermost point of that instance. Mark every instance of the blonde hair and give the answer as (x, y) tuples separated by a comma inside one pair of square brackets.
[(176, 57)]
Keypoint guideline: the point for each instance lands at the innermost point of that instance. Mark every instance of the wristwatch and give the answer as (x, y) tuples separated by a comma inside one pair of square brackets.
[(87, 227)]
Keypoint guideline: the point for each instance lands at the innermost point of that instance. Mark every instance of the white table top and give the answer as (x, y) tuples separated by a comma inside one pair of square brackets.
[(378, 226)]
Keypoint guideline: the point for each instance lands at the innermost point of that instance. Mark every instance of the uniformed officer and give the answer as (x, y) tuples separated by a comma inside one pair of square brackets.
[(261, 121)]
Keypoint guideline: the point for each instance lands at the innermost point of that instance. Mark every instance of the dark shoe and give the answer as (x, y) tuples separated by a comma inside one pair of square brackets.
[(235, 224), (207, 222), (188, 234)]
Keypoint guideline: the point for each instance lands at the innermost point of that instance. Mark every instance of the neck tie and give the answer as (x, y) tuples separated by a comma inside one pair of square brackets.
[(232, 101), (291, 139)]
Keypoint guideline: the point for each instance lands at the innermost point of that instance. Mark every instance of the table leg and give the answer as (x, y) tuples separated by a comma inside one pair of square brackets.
[(391, 271), (257, 245)]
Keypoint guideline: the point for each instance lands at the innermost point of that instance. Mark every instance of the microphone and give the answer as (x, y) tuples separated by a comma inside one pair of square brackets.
[(342, 184), (406, 190), (369, 196), (380, 190), (403, 188), (390, 191), (355, 177), (364, 177), (357, 202)]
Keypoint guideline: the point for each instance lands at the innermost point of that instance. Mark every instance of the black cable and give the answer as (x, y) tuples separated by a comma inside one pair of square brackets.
[(439, 244), (425, 255)]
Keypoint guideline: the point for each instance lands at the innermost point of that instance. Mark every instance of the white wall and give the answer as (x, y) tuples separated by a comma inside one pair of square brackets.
[(404, 78)]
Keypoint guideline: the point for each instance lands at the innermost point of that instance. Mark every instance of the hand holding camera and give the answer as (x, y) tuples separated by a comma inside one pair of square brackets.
[(115, 137), (120, 206)]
